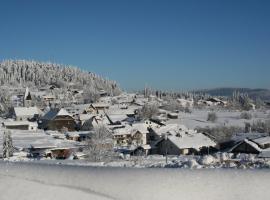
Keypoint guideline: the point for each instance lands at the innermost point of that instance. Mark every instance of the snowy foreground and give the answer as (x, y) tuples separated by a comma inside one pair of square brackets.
[(49, 181)]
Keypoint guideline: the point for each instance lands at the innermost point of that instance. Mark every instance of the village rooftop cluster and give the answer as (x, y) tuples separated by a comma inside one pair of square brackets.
[(136, 125)]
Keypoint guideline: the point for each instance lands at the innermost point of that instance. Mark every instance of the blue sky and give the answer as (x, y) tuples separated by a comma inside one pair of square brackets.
[(173, 45)]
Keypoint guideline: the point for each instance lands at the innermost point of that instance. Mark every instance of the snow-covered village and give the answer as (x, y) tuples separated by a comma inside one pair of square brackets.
[(62, 119), (134, 100)]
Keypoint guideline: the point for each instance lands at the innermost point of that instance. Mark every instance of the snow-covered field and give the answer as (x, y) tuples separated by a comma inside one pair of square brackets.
[(46, 181), (198, 118)]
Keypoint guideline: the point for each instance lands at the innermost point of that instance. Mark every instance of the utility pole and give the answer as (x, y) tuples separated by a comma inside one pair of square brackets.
[(166, 147)]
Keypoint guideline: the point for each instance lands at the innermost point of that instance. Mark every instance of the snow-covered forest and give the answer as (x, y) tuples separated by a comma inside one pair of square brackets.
[(37, 74)]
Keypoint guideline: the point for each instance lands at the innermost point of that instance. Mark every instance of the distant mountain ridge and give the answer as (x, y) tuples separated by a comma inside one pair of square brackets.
[(37, 74), (264, 94)]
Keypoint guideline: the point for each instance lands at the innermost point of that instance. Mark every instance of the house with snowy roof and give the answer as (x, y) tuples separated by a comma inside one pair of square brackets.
[(21, 125), (178, 140), (48, 98), (77, 109), (136, 134), (237, 138), (89, 122), (157, 132), (40, 144), (58, 119), (100, 106), (216, 101), (260, 146), (25, 113), (79, 135)]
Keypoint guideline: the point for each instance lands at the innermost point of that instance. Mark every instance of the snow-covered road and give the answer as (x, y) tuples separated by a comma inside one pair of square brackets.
[(45, 181)]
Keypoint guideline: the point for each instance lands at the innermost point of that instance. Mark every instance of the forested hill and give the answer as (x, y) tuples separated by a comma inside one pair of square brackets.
[(264, 94), (32, 73)]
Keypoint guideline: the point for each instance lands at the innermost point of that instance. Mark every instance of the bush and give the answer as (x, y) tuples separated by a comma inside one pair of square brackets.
[(221, 133), (148, 111), (245, 115), (261, 126), (172, 106), (212, 117), (187, 110)]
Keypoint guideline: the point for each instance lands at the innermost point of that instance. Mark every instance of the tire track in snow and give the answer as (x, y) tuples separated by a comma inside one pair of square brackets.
[(85, 190)]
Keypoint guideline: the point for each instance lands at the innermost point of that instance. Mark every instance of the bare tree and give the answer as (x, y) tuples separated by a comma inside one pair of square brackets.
[(261, 126), (7, 145), (245, 115), (148, 111), (100, 145)]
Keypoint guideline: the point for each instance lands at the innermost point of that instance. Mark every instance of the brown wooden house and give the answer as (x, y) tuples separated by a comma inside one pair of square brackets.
[(58, 120)]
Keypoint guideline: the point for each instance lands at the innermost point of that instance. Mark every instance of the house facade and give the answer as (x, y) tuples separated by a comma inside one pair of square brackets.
[(58, 120)]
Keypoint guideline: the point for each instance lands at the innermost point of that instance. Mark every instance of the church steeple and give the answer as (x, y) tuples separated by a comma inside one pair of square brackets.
[(27, 101)]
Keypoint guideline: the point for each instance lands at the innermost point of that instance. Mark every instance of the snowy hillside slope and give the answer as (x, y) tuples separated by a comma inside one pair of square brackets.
[(44, 181), (33, 73)]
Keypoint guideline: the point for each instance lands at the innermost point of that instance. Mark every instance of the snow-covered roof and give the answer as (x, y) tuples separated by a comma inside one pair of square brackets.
[(49, 96), (23, 139), (100, 105), (241, 136), (173, 114), (169, 127), (115, 109), (194, 140), (78, 133), (27, 111), (19, 123), (63, 112), (251, 143), (84, 117), (115, 118), (265, 153), (54, 113), (142, 127), (77, 109), (130, 130), (262, 140)]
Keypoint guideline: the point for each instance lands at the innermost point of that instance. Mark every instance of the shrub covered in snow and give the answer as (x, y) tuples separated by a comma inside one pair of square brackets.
[(245, 115), (207, 160), (212, 117)]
